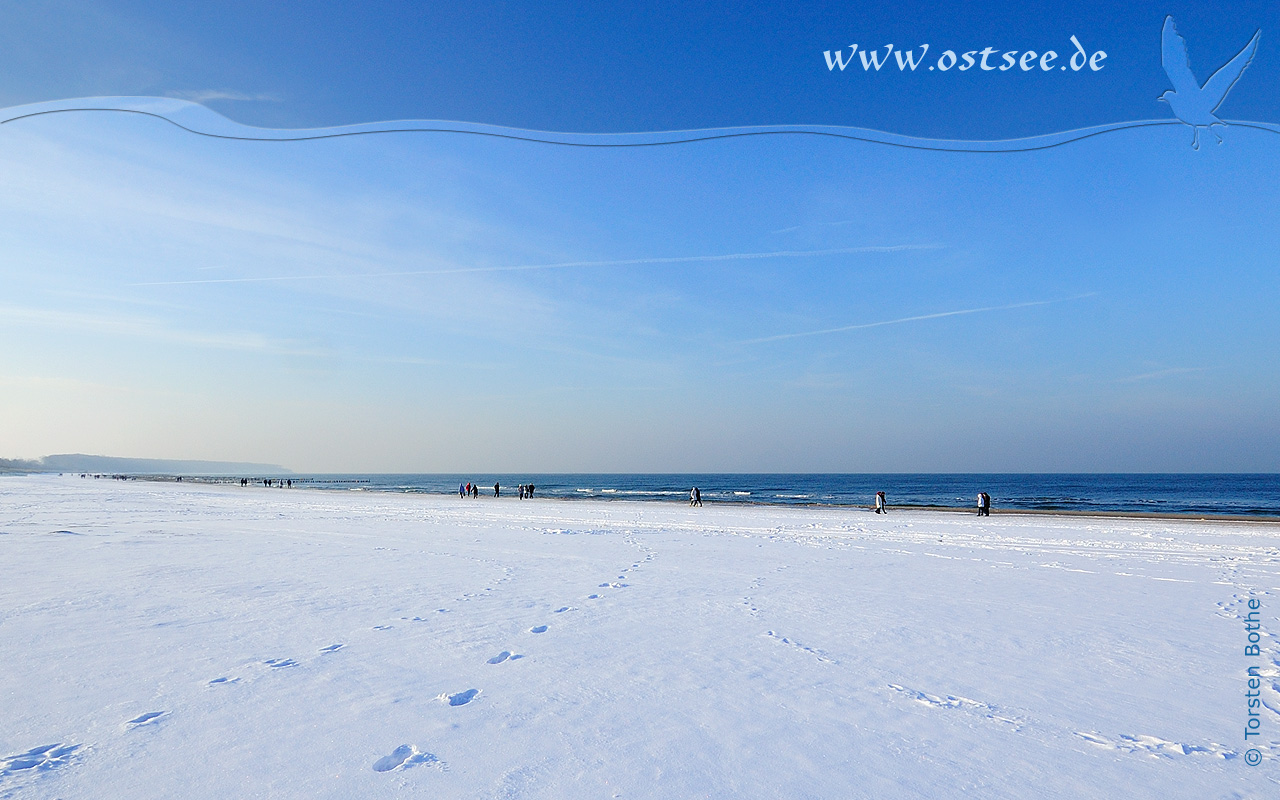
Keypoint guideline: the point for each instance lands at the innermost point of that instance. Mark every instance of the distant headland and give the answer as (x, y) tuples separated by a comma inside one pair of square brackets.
[(78, 462)]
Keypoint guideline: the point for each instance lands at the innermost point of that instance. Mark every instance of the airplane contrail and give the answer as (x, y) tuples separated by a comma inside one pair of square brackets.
[(919, 318), (564, 265)]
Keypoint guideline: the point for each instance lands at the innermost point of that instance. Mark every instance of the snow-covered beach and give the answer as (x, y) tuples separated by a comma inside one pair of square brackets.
[(166, 640)]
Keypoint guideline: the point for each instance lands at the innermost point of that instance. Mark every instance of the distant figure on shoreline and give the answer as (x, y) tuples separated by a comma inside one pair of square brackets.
[(695, 496), (528, 490), (495, 490), (984, 504), (522, 491), (460, 488), (880, 504)]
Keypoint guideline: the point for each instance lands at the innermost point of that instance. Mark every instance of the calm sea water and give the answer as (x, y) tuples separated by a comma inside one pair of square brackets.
[(1218, 494)]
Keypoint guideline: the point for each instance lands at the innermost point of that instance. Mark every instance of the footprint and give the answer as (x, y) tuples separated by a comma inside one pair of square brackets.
[(223, 679), (145, 719), (500, 657), (538, 629), (405, 756), (983, 710), (278, 663), (460, 698), (562, 609), (332, 648), (593, 597), (44, 758), (382, 627), (1157, 747)]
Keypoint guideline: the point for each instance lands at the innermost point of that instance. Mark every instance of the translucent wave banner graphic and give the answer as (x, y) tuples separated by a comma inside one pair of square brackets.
[(203, 121)]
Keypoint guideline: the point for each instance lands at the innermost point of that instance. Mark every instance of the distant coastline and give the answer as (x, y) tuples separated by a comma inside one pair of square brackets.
[(79, 462)]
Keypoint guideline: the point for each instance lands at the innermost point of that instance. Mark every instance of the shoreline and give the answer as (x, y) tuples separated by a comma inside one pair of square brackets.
[(1191, 516), (1101, 514)]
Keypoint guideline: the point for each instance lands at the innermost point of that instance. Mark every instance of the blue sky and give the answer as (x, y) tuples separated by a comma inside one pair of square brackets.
[(435, 302)]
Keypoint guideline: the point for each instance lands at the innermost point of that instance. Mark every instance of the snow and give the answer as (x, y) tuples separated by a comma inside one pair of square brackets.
[(163, 640)]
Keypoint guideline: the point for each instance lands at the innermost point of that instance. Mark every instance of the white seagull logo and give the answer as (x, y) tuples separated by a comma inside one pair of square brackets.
[(1192, 103)]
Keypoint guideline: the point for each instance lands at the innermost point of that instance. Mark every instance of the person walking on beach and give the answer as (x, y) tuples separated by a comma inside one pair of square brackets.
[(693, 494), (528, 490), (697, 497), (984, 504), (880, 509), (495, 490)]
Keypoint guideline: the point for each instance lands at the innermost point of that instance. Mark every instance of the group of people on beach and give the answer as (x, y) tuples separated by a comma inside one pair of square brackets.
[(525, 490), (470, 489), (984, 504), (280, 482)]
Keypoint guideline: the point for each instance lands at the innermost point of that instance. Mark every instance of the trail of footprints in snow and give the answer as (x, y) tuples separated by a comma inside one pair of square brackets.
[(469, 596), (1138, 744), (813, 651), (406, 755), (1236, 608), (754, 610), (749, 600), (1156, 747), (283, 663), (53, 756), (963, 703)]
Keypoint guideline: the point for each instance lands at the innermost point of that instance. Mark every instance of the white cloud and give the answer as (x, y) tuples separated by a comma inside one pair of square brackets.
[(568, 264), (919, 318)]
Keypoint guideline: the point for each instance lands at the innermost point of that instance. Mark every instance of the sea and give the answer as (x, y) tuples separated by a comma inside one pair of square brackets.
[(1254, 495)]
